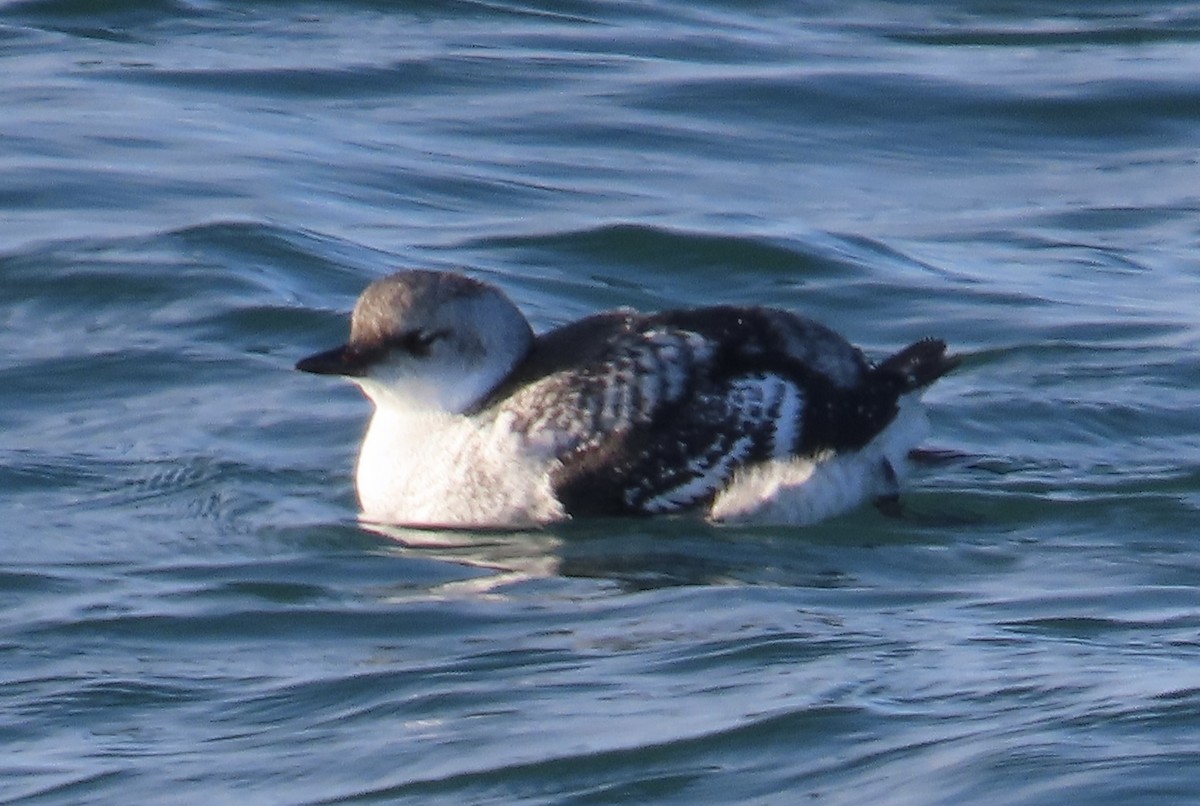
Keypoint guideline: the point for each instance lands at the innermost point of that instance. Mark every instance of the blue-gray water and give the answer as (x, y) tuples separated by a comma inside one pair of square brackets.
[(193, 193)]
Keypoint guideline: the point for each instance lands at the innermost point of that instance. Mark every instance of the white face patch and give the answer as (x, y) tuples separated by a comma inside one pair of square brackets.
[(430, 383), (476, 338)]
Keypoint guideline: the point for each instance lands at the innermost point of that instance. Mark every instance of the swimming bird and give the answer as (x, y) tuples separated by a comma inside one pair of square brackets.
[(734, 413)]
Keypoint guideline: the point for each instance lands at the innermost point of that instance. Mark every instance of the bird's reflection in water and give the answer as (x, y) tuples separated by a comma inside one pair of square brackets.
[(633, 554), (505, 558)]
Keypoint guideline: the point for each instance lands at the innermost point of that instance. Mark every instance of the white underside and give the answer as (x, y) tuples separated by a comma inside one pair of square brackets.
[(440, 470), (447, 470), (801, 492)]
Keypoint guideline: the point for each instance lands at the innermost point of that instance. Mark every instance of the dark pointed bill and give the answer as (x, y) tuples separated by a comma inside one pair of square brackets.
[(339, 361)]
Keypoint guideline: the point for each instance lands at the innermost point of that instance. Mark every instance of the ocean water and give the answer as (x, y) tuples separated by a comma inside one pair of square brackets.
[(193, 193)]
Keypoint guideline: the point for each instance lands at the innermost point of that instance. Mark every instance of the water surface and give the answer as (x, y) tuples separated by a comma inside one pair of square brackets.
[(193, 194)]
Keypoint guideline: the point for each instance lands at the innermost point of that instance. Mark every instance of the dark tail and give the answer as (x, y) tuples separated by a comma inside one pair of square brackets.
[(918, 365)]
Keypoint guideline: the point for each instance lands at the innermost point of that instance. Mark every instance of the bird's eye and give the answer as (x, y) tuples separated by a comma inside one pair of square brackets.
[(417, 342)]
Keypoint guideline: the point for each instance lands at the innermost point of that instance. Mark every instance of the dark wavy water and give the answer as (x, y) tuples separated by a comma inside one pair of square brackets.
[(193, 193)]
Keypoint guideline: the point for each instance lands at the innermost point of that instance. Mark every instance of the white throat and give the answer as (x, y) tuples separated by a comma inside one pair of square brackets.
[(448, 389), (434, 468)]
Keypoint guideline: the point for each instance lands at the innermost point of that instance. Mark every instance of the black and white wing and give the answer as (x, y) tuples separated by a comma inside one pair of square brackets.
[(658, 420), (650, 414)]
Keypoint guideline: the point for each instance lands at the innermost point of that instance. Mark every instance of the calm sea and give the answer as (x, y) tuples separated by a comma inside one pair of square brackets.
[(193, 193)]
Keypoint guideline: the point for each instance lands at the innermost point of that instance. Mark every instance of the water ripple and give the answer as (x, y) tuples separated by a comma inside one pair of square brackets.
[(193, 195)]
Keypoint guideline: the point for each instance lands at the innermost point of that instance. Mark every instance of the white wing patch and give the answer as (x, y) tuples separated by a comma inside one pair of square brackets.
[(788, 411), (757, 410), (772, 404), (706, 479)]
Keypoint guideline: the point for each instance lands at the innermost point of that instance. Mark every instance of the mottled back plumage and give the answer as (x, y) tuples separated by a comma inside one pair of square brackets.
[(661, 410)]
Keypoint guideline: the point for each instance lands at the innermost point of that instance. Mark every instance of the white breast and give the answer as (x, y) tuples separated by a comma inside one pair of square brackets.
[(446, 470)]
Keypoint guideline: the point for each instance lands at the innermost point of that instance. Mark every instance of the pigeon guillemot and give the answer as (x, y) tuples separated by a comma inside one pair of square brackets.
[(736, 413)]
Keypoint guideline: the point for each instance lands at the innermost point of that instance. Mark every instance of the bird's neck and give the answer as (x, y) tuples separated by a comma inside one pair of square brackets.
[(400, 450), (448, 393)]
